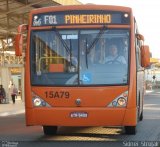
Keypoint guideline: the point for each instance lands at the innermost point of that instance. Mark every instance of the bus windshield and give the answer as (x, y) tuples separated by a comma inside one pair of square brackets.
[(79, 57)]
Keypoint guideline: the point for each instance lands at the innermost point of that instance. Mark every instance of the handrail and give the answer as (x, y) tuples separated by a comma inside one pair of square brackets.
[(39, 65)]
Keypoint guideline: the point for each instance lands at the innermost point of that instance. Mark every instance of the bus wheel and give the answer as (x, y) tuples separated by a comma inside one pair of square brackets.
[(50, 130), (141, 116), (130, 130)]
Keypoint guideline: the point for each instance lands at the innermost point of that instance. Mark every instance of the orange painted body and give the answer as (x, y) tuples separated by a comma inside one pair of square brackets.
[(94, 99), (94, 102), (96, 117)]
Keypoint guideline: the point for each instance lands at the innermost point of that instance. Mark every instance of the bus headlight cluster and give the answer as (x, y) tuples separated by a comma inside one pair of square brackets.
[(38, 102), (120, 101)]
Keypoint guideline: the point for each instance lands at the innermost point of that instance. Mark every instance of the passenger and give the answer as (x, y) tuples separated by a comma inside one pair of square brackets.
[(114, 57), (2, 94), (13, 92)]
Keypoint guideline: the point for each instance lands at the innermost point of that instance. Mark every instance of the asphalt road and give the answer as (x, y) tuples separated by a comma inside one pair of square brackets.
[(14, 133)]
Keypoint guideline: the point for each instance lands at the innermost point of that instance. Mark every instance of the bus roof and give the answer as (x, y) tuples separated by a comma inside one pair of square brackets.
[(81, 7)]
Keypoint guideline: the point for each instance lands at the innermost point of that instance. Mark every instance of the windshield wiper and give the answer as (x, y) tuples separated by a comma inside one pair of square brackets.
[(86, 55), (70, 52), (63, 42), (96, 39), (94, 43)]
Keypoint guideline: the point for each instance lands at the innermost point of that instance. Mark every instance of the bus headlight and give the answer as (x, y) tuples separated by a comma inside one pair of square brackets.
[(38, 102), (120, 101)]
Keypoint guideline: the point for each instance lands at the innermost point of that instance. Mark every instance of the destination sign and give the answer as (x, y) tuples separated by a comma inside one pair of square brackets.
[(87, 19), (79, 17)]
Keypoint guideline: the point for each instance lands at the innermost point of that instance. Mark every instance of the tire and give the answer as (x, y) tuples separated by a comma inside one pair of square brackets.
[(141, 116), (130, 130), (50, 130)]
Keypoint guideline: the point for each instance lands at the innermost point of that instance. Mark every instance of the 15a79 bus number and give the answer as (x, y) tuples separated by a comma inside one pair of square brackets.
[(57, 94)]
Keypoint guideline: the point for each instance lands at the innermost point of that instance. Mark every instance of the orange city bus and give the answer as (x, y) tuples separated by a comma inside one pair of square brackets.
[(69, 80)]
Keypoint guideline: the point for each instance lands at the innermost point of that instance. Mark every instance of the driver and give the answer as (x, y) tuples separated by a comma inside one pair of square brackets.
[(113, 56)]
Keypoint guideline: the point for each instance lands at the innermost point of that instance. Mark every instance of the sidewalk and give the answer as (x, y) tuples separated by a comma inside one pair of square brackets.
[(12, 109), (153, 91)]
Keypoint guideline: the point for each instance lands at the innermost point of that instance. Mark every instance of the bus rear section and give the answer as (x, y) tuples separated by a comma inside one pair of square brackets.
[(81, 68)]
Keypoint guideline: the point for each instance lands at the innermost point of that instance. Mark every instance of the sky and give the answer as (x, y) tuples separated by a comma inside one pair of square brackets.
[(147, 14)]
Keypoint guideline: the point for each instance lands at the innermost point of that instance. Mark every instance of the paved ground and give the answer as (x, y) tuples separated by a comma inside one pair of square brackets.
[(12, 109)]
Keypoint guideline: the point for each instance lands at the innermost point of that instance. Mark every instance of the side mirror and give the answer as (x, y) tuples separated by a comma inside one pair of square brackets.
[(140, 37), (18, 44), (19, 39), (145, 56)]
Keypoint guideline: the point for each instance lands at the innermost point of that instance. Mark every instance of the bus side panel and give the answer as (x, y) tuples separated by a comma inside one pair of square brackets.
[(29, 116), (140, 90), (130, 117), (62, 116), (28, 99), (133, 80)]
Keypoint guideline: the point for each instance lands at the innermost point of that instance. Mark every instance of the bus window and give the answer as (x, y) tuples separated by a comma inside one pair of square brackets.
[(61, 47), (54, 52), (96, 71)]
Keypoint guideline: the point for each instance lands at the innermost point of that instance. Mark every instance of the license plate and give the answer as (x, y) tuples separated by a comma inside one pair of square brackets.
[(79, 115)]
